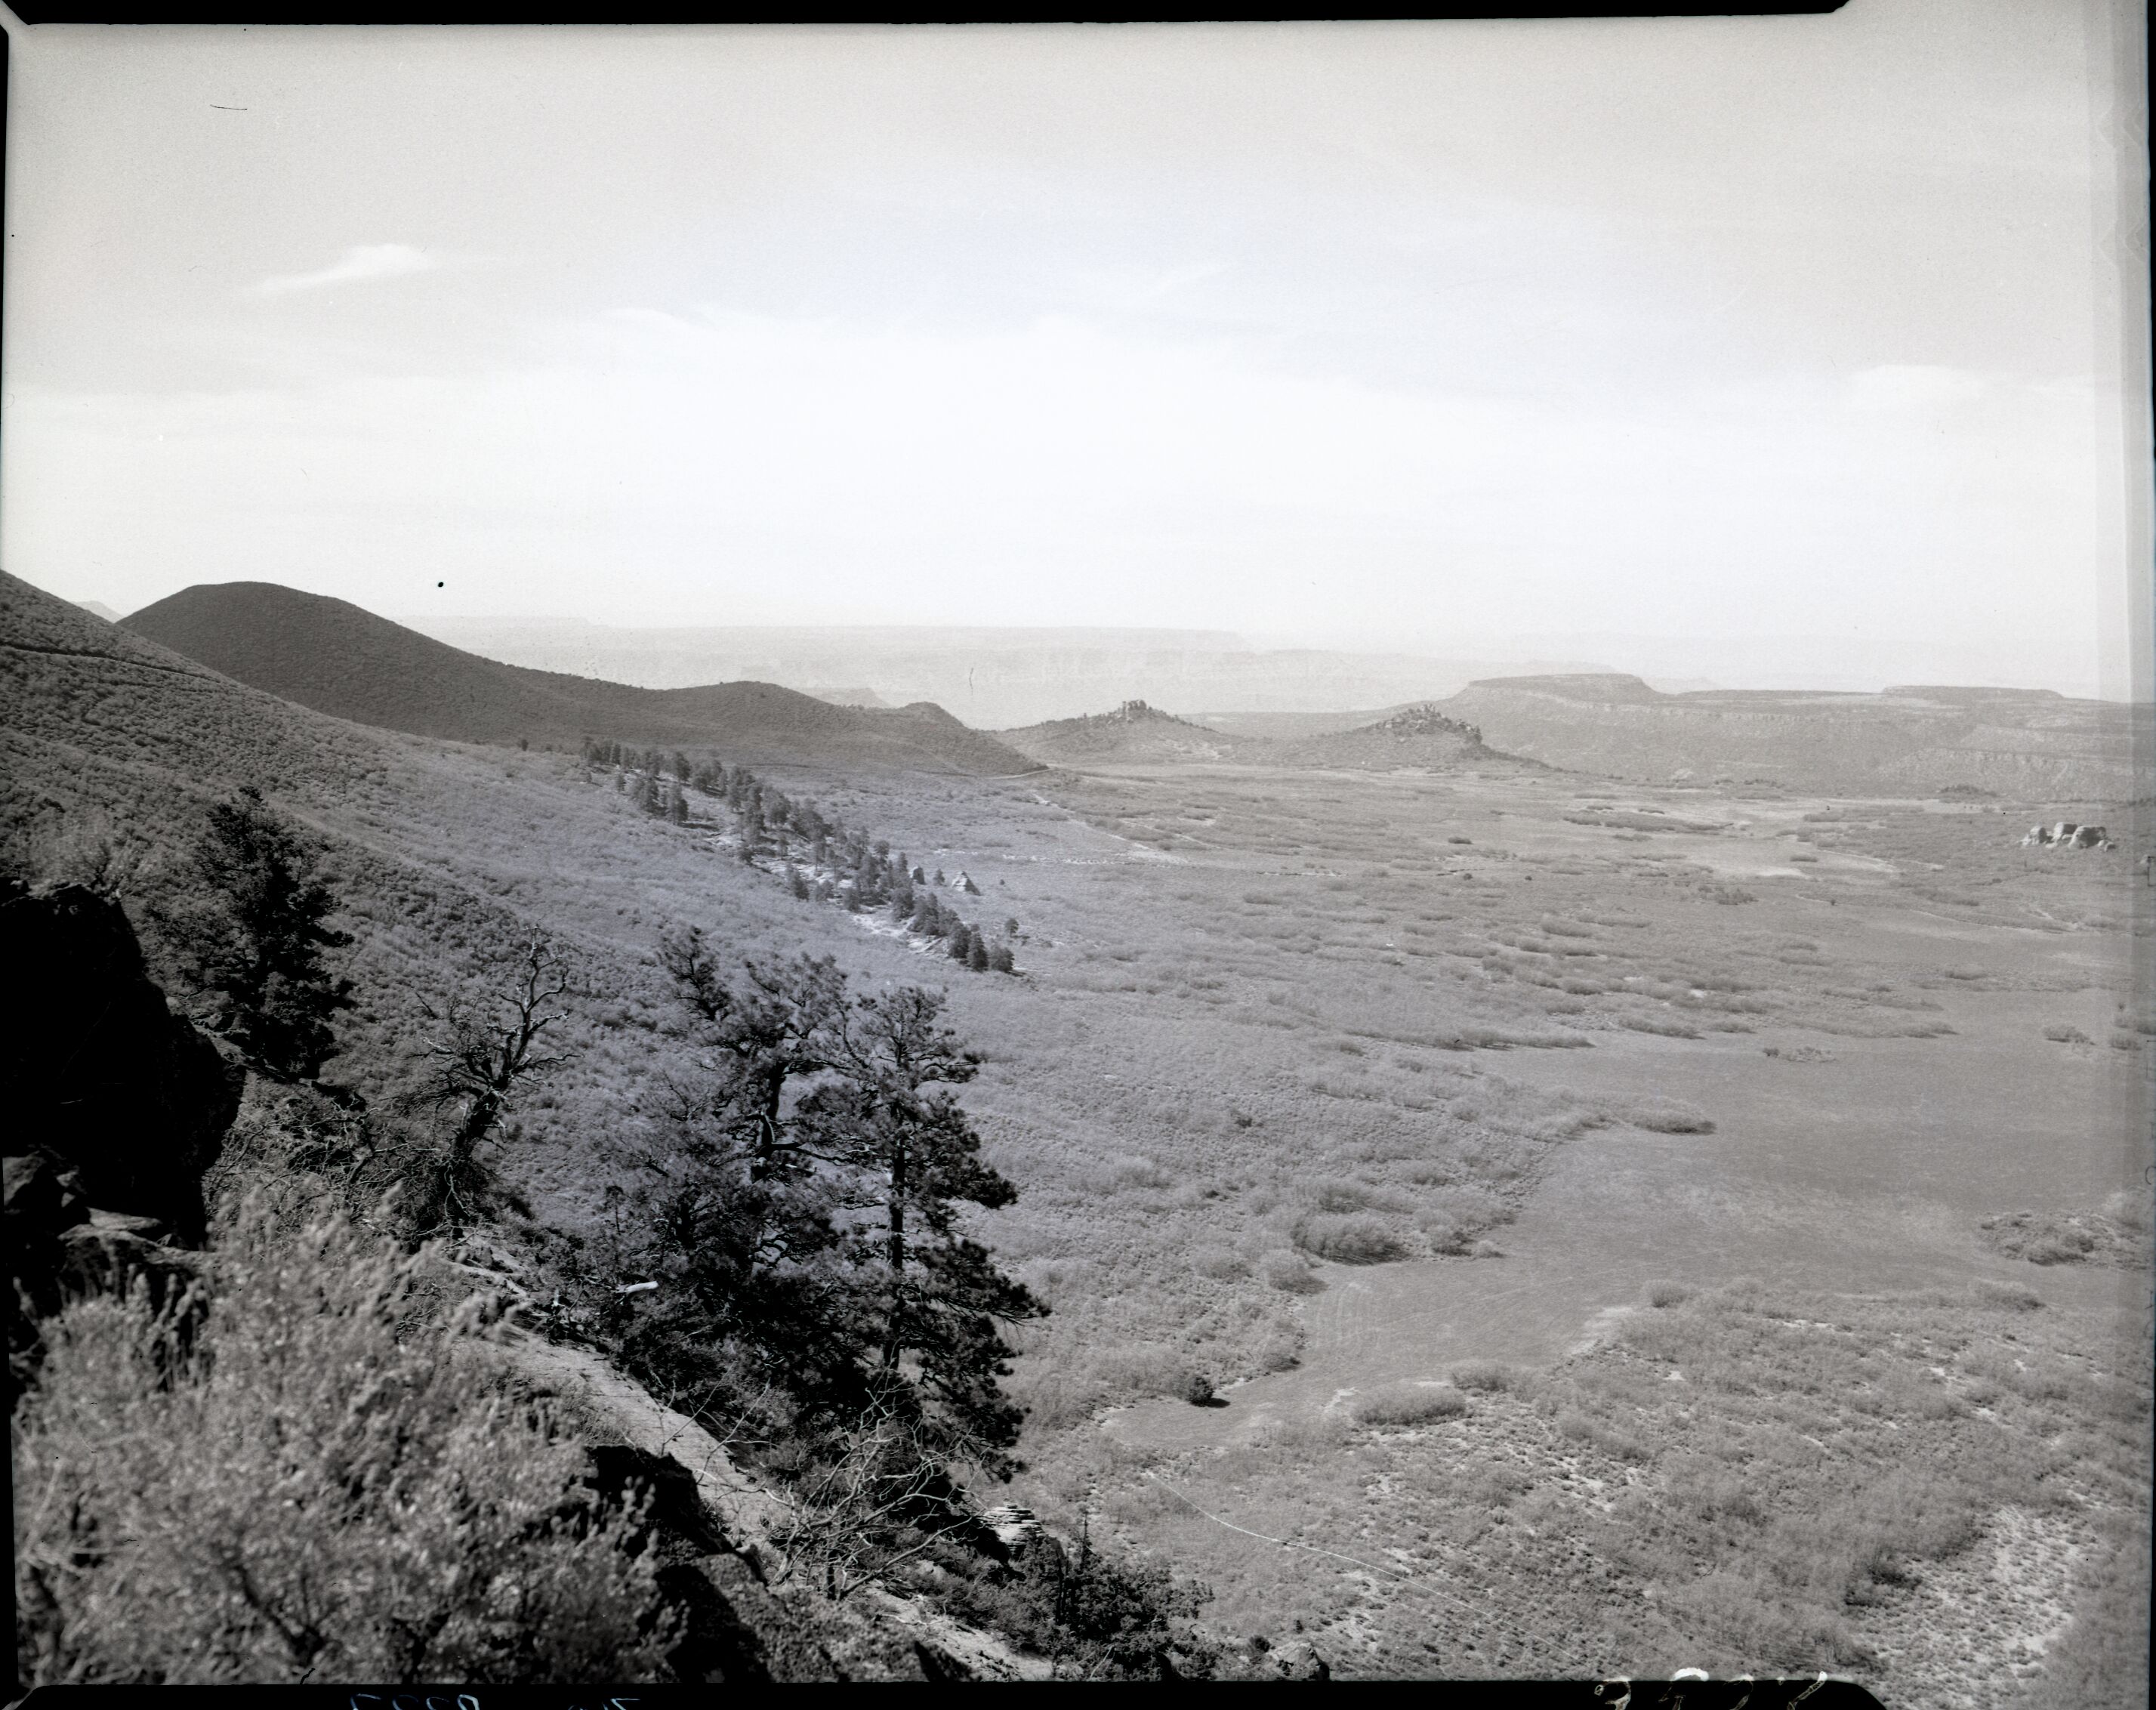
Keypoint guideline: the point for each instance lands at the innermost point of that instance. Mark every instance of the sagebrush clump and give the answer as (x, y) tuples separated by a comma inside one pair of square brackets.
[(293, 1479)]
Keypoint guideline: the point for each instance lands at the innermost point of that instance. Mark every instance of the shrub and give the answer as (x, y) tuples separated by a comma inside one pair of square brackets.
[(2010, 1295), (2060, 1034), (1667, 1115), (1667, 1294), (1139, 1173), (1581, 1428), (1487, 1375), (1411, 1405), (300, 1494), (1291, 1274), (1221, 1264), (1147, 1369), (1355, 1239), (1343, 1196)]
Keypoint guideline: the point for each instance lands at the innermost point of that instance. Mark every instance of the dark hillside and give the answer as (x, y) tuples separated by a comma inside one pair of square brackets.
[(332, 656)]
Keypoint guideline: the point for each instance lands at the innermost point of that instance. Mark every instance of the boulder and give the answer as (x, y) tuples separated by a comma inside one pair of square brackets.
[(1298, 1660), (44, 1198), (673, 1507), (95, 1068)]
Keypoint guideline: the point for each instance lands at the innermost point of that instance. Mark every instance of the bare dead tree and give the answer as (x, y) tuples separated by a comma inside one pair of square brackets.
[(857, 1521), (478, 1068)]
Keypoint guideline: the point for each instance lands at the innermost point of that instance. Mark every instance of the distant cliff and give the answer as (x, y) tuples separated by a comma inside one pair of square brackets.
[(2016, 744)]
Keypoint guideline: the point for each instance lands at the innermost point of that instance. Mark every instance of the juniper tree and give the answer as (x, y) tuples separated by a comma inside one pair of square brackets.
[(253, 937)]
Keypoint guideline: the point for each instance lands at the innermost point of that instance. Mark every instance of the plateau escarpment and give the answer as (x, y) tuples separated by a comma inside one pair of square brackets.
[(2022, 744)]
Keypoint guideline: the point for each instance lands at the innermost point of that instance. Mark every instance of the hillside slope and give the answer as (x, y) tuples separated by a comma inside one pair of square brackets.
[(72, 685), (2019, 744), (439, 858), (335, 658)]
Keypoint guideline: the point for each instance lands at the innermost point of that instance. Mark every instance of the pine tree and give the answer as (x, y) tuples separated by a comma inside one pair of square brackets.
[(677, 806), (959, 944), (977, 953), (933, 1301), (738, 1191), (682, 769), (255, 937)]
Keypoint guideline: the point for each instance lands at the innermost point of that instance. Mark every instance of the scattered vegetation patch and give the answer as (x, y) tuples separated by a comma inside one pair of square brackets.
[(1411, 1405), (2064, 1238)]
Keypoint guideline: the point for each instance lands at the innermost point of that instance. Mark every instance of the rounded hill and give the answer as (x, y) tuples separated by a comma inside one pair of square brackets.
[(336, 658)]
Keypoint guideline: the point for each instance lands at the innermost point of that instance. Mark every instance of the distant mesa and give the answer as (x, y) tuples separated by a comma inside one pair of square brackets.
[(98, 609), (1945, 692), (1580, 686), (337, 659), (1983, 743), (849, 697), (1133, 734), (1136, 733)]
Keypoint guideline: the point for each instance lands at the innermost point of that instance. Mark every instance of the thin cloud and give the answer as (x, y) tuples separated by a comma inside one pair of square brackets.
[(360, 263)]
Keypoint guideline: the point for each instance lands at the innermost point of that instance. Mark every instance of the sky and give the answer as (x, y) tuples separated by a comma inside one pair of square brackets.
[(1732, 346)]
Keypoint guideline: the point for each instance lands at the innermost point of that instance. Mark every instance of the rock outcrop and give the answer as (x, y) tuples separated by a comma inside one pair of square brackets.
[(96, 1071), (116, 1107)]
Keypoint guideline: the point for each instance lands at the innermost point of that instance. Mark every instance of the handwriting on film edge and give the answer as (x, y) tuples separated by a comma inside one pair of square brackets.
[(462, 1701)]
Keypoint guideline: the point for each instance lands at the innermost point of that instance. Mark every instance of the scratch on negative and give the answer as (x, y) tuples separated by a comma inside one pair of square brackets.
[(1284, 1543)]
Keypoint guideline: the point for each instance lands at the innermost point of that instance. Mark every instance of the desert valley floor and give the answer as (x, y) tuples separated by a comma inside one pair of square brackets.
[(1572, 1052)]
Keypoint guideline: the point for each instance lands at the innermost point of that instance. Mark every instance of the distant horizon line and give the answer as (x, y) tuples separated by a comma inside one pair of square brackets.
[(1521, 664)]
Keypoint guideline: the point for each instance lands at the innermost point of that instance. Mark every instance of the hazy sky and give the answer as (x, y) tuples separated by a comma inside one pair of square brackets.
[(1779, 337)]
